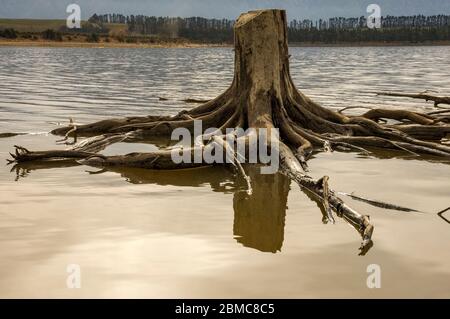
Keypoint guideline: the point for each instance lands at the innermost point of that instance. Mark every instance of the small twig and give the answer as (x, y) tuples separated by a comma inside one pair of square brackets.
[(193, 100), (235, 162), (353, 107), (379, 204), (428, 90), (403, 148), (351, 146), (326, 194), (367, 231), (154, 160), (327, 147), (447, 110), (67, 135), (3, 135), (424, 96), (440, 214), (302, 160), (21, 148), (101, 171)]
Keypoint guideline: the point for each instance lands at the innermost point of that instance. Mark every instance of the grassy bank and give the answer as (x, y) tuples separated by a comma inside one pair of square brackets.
[(40, 25), (53, 33), (31, 25)]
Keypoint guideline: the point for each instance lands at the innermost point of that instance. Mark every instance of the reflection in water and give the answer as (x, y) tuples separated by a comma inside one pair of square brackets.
[(22, 170), (219, 178), (259, 218), (52, 217)]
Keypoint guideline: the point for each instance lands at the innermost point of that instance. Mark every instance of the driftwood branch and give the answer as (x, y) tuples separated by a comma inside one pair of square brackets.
[(379, 204), (194, 100), (424, 96)]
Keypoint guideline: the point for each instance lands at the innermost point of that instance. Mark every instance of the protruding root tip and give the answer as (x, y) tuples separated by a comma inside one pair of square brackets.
[(19, 152), (366, 244)]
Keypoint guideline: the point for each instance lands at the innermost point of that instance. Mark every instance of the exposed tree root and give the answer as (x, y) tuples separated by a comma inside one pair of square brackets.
[(24, 155), (377, 114), (263, 96)]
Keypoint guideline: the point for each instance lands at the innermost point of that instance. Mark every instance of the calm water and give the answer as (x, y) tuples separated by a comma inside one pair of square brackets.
[(138, 233)]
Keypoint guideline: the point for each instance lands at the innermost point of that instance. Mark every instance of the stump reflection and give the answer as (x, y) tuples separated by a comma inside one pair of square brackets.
[(259, 219)]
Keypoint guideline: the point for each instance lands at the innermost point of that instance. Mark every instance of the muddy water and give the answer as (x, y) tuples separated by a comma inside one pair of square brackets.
[(193, 233)]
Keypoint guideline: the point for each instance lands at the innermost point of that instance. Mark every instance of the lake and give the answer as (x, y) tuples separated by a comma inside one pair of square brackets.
[(191, 233)]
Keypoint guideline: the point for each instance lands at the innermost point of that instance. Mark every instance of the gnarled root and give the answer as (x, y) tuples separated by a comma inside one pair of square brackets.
[(24, 155)]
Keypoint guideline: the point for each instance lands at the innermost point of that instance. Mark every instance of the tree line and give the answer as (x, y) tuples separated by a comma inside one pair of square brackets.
[(415, 29), (193, 28), (418, 28), (340, 23)]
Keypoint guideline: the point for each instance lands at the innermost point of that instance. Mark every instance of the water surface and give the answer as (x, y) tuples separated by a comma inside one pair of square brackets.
[(193, 233)]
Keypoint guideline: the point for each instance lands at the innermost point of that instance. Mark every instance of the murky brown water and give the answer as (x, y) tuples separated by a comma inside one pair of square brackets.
[(138, 233)]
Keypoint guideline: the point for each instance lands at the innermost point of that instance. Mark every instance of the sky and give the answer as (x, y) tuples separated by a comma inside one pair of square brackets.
[(311, 9)]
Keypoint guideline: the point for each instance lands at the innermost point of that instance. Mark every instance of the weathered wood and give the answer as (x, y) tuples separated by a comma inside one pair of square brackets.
[(399, 115)]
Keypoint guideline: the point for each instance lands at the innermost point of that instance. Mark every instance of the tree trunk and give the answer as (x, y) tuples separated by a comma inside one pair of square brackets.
[(261, 64)]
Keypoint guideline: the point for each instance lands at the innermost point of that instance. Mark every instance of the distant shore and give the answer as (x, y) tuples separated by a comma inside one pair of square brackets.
[(78, 44), (370, 44)]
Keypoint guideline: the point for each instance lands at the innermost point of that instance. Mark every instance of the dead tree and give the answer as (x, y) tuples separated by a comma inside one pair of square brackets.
[(263, 96)]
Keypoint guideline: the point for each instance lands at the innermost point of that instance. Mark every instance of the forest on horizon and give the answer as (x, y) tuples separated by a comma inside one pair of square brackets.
[(151, 29), (418, 28)]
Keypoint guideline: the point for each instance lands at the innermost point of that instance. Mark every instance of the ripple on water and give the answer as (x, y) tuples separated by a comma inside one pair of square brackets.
[(56, 83)]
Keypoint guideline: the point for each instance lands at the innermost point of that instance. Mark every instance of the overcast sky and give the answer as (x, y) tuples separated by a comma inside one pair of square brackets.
[(46, 9)]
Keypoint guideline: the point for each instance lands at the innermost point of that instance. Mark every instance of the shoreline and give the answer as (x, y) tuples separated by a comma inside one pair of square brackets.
[(75, 44), (371, 44)]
